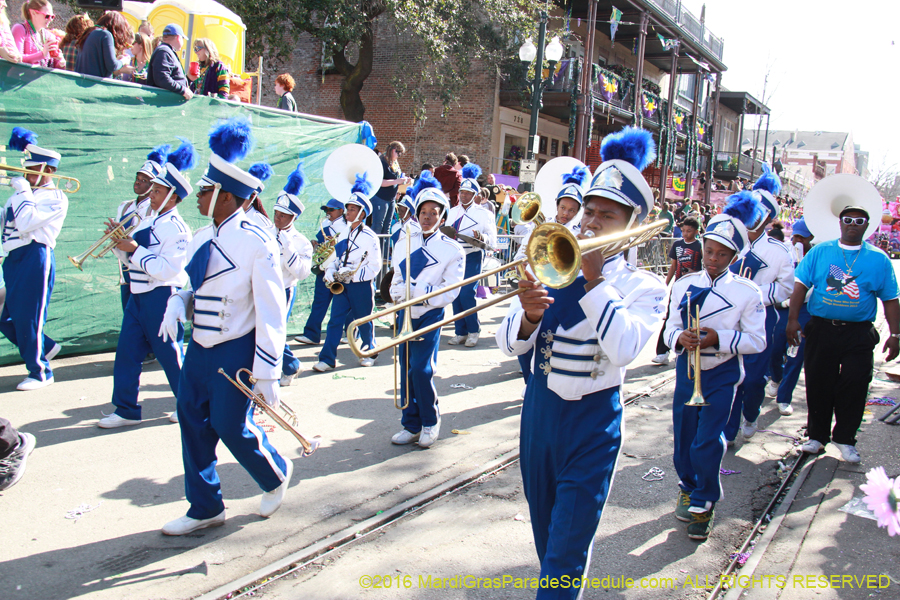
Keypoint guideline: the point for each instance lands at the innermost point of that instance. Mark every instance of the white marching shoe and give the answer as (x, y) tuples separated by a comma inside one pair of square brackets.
[(28, 384), (472, 339), (456, 340), (287, 380), (429, 435), (113, 421), (405, 437), (772, 389), (785, 409), (322, 367), (305, 340), (660, 359), (185, 525), (848, 452), (812, 447), (367, 362), (271, 501), (173, 416), (51, 354), (748, 428)]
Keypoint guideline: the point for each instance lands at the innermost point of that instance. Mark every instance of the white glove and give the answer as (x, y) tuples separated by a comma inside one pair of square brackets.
[(269, 390), (175, 312), (344, 273), (20, 184)]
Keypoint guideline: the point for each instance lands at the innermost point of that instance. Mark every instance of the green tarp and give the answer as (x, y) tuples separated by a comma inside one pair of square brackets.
[(104, 130)]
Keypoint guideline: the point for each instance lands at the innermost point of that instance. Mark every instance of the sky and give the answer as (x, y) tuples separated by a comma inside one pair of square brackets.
[(833, 66)]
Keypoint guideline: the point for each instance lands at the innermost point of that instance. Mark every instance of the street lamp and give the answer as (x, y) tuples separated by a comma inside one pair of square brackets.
[(528, 53)]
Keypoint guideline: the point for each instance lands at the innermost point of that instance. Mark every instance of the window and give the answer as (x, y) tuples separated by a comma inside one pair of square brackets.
[(686, 85)]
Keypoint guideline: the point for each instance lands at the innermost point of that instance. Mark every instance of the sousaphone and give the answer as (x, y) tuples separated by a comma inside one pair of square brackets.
[(345, 163), (825, 201), (548, 183)]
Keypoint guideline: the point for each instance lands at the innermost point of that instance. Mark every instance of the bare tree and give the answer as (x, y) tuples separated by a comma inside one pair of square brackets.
[(886, 177)]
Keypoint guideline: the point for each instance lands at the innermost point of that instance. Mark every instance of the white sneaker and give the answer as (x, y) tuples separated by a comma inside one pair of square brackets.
[(405, 437), (660, 359), (271, 501), (748, 428), (729, 443), (287, 380), (150, 358), (344, 340), (173, 417), (28, 384), (456, 340), (114, 420), (53, 352), (524, 389), (848, 452), (472, 339), (305, 340), (812, 447), (322, 367), (185, 525), (772, 389), (429, 435), (366, 362), (785, 409)]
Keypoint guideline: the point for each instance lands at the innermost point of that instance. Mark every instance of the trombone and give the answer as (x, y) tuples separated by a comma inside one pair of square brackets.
[(554, 254), (527, 209), (693, 360), (287, 422), (113, 237), (70, 184)]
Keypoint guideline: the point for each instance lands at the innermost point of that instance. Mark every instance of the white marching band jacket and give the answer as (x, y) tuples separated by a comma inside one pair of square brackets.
[(242, 290), (469, 220), (365, 253), (161, 262), (332, 228), (296, 256), (733, 307), (442, 263), (33, 215), (621, 315), (257, 218), (775, 274), (133, 212)]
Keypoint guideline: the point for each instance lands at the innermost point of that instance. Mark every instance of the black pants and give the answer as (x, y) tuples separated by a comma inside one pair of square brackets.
[(838, 364), (661, 347), (9, 438)]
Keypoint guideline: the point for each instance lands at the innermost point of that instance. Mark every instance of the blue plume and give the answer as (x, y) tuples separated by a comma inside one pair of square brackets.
[(362, 185), (185, 157), (367, 135), (21, 137), (578, 176), (159, 154), (296, 181), (632, 144), (231, 139), (769, 181), (262, 171), (744, 206), (471, 171), (426, 180)]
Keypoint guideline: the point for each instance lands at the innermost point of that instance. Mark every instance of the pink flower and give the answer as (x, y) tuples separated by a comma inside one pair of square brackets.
[(882, 495)]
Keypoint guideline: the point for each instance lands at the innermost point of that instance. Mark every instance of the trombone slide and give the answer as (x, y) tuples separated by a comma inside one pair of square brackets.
[(70, 184)]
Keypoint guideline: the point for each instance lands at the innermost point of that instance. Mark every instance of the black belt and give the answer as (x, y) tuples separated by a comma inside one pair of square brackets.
[(837, 323)]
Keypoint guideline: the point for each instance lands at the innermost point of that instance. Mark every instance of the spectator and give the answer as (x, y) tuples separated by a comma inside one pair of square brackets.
[(34, 41), (666, 213), (461, 162), (214, 77), (777, 231), (76, 26), (146, 28), (165, 70), (284, 85), (154, 44), (383, 200), (99, 47), (427, 167), (686, 256), (141, 52), (8, 49), (450, 178)]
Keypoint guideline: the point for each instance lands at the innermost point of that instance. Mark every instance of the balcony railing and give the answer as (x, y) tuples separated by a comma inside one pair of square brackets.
[(731, 165), (691, 25)]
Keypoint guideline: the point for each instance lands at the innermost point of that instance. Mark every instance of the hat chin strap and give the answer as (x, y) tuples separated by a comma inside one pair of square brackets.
[(212, 201), (164, 202)]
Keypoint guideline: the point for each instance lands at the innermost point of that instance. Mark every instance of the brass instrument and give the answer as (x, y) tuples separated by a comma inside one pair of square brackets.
[(527, 209), (324, 250), (554, 254), (70, 184), (288, 422), (337, 286), (113, 237), (693, 324)]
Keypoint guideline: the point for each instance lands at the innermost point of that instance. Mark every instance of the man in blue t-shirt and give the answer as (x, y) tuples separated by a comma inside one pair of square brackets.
[(846, 277)]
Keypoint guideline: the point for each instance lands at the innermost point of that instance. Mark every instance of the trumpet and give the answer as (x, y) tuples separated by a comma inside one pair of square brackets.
[(113, 237), (337, 286), (554, 254), (697, 400), (287, 422), (527, 209), (70, 184)]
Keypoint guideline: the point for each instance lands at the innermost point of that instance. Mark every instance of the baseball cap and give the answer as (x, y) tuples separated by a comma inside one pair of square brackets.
[(173, 29), (856, 209)]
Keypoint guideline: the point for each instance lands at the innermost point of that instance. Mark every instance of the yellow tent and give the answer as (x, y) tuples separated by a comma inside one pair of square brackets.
[(198, 19)]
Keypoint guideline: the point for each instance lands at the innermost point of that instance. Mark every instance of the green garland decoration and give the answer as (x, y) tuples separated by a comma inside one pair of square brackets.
[(573, 103)]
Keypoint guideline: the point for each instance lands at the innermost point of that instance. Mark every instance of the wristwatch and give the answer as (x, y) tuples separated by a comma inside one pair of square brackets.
[(895, 335)]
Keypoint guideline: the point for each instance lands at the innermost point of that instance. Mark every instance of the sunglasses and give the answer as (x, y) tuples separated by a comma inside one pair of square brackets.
[(46, 16), (198, 48), (854, 220)]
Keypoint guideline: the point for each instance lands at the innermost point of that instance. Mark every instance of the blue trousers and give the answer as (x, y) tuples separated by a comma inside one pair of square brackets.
[(779, 347), (752, 392), (793, 365), (290, 364), (699, 439), (356, 301), (321, 301), (210, 409), (29, 272), (138, 336), (466, 298), (568, 458), (525, 364), (423, 402), (125, 288)]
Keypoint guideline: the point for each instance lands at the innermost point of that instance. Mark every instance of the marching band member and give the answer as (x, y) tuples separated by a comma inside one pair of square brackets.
[(333, 225), (732, 325), (296, 256), (254, 206), (405, 219), (768, 263), (472, 220), (585, 335), (435, 262), (157, 251), (32, 220), (357, 262), (237, 301)]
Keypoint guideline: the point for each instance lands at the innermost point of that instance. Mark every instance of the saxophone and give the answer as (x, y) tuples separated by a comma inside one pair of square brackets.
[(323, 251)]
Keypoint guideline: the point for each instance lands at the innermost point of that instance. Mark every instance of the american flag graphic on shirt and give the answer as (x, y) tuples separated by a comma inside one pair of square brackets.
[(841, 283)]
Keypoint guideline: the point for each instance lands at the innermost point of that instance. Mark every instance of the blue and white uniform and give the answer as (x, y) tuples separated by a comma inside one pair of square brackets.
[(296, 265), (436, 262), (468, 220), (321, 294), (398, 231), (130, 212), (261, 220)]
